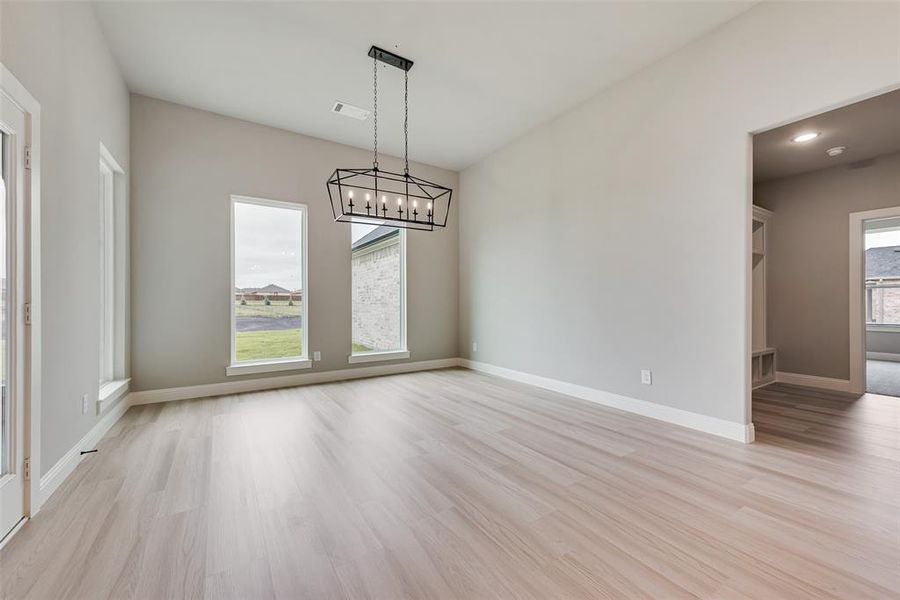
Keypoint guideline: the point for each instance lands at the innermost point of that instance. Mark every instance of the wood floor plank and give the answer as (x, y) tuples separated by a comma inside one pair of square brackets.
[(454, 484)]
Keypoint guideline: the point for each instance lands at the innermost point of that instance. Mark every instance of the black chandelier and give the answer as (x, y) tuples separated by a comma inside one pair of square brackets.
[(380, 197)]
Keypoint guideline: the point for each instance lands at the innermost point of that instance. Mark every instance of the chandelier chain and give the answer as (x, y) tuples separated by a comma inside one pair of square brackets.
[(406, 120), (375, 86)]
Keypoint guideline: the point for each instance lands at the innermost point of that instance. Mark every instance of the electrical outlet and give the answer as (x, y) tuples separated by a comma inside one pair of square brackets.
[(317, 356), (474, 346), (646, 377), (84, 404)]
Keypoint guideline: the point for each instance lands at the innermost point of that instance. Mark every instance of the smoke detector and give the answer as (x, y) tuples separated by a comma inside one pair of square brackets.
[(348, 110), (836, 151)]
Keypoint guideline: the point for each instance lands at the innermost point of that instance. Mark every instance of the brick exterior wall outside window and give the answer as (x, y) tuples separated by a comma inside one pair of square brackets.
[(376, 297), (884, 306)]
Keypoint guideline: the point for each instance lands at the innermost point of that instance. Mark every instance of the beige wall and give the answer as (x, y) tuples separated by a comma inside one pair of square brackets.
[(625, 221), (187, 163), (57, 51), (809, 262)]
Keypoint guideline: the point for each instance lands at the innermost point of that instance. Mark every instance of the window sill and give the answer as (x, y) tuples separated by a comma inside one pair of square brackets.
[(267, 366), (886, 328), (110, 392), (365, 357)]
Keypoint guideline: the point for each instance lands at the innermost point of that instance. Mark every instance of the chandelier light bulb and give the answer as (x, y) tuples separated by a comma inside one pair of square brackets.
[(350, 194), (399, 201), (368, 197), (384, 199)]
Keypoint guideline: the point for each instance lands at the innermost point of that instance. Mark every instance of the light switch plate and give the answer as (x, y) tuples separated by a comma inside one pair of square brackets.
[(474, 346), (646, 377), (317, 356)]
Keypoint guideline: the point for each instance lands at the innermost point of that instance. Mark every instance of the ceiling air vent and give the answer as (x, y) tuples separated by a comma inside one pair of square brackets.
[(348, 110)]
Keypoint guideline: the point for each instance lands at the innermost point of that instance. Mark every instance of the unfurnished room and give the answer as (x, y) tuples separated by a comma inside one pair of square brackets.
[(449, 300)]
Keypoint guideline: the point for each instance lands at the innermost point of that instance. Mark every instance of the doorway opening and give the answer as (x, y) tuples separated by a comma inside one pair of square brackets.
[(824, 317), (881, 273)]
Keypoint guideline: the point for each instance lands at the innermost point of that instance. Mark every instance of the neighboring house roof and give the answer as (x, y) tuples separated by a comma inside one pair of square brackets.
[(272, 289), (382, 232), (882, 263)]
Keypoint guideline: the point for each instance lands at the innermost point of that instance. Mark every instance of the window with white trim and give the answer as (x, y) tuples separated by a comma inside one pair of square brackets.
[(269, 292), (110, 369), (883, 277), (378, 272)]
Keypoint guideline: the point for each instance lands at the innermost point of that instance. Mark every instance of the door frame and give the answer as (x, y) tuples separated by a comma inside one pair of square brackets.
[(857, 286), (16, 92)]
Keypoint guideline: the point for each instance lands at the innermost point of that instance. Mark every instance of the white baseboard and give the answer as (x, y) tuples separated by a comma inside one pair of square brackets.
[(813, 381), (883, 356), (58, 473), (728, 429), (271, 383)]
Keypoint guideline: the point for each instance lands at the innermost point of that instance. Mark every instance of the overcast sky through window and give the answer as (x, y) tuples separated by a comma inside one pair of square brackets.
[(267, 246), (880, 239)]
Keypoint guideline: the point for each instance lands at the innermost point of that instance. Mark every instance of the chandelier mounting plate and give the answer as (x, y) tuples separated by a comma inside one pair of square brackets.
[(387, 57)]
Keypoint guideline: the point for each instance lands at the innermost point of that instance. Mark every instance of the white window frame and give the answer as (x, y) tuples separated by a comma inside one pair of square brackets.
[(107, 272), (112, 220), (403, 351), (247, 367)]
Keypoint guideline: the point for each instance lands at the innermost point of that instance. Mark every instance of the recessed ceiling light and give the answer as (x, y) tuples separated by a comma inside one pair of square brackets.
[(836, 151), (805, 137)]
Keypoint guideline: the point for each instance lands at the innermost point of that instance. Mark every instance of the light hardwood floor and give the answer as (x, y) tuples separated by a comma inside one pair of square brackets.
[(453, 484)]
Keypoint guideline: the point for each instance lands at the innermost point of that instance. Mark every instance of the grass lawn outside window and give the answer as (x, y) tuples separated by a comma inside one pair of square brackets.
[(267, 331)]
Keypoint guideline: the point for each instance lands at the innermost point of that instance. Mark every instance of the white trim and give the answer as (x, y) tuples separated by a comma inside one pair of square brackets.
[(58, 473), (883, 327), (763, 215), (271, 383), (15, 91), (304, 286), (107, 304), (857, 290), (403, 287), (9, 535), (813, 381), (267, 366), (111, 391), (107, 157), (365, 357), (883, 356), (747, 265), (740, 432), (113, 269)]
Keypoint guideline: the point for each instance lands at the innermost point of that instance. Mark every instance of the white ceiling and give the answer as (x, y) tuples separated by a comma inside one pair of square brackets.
[(868, 129), (484, 73)]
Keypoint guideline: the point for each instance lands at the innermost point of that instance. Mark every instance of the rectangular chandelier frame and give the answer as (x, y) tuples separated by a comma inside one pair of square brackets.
[(407, 199)]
